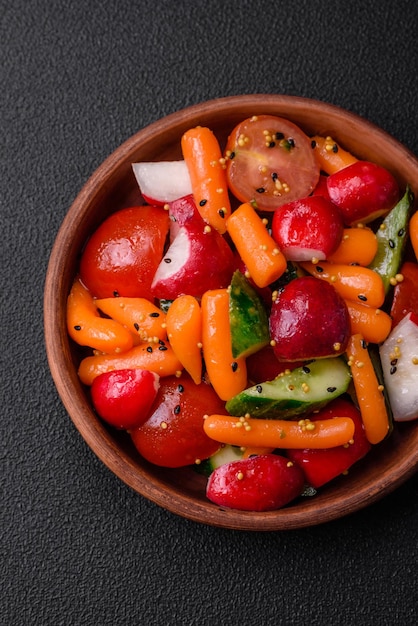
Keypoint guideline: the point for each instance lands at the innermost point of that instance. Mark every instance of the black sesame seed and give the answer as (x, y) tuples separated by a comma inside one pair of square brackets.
[(116, 294), (232, 155), (180, 388), (331, 389), (161, 342), (162, 348), (136, 326), (234, 366), (362, 297), (279, 136), (393, 369), (291, 142), (167, 259), (202, 202), (77, 327), (221, 213), (272, 144), (335, 148), (259, 388), (274, 176), (319, 269), (401, 232), (177, 409), (306, 369), (363, 343), (154, 314), (260, 190), (149, 349), (394, 362), (391, 243), (313, 143)]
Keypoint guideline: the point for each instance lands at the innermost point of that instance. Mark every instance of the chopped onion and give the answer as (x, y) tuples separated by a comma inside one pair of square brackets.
[(162, 181)]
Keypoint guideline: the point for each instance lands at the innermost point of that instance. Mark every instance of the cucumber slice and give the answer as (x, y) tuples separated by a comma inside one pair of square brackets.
[(225, 454), (303, 390), (391, 240), (247, 318)]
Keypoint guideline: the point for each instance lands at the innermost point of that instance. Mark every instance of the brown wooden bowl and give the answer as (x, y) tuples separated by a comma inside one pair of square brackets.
[(112, 187)]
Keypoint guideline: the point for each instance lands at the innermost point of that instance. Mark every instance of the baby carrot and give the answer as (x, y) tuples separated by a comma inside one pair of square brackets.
[(227, 375), (372, 323), (352, 282), (184, 331), (368, 390), (87, 328), (139, 315), (330, 156), (160, 360), (258, 250), (287, 434), (207, 171), (413, 232), (358, 245)]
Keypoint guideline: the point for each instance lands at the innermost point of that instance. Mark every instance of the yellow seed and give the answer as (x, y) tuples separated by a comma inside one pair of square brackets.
[(289, 464), (164, 425), (207, 229), (198, 461), (337, 346), (240, 475)]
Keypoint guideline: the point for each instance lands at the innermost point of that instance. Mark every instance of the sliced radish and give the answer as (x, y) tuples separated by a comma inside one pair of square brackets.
[(399, 356), (162, 181)]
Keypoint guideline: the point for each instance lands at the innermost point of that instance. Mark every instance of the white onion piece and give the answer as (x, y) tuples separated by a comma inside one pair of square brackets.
[(399, 357), (163, 181)]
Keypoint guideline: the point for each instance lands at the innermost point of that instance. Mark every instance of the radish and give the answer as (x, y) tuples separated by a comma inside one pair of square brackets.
[(399, 357), (162, 181)]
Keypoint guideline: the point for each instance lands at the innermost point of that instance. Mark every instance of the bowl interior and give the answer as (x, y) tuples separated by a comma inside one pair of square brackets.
[(113, 187)]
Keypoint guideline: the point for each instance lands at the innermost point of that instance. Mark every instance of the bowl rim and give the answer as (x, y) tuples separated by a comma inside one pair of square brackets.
[(71, 392)]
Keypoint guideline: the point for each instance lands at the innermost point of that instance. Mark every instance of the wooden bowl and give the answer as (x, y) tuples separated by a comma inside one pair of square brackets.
[(112, 187)]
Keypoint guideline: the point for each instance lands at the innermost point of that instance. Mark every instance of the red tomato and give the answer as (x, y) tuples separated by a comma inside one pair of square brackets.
[(173, 434), (270, 162), (264, 365), (321, 466), (123, 398), (405, 294), (363, 191), (122, 255)]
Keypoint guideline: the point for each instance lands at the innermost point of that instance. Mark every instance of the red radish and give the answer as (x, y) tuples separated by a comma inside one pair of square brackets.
[(308, 228), (123, 398), (259, 483), (321, 466), (162, 181), (363, 192), (183, 211), (308, 321), (322, 188), (198, 259)]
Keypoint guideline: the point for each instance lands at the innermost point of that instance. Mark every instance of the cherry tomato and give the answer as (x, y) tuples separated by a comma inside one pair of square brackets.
[(321, 466), (270, 162), (122, 255), (405, 294), (363, 191), (173, 434), (123, 398)]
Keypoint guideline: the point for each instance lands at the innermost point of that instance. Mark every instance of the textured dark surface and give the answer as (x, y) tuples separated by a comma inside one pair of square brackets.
[(77, 546)]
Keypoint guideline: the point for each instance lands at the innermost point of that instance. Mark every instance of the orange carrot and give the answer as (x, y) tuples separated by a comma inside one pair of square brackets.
[(372, 323), (227, 375), (358, 245), (184, 330), (207, 171), (258, 250), (87, 328), (330, 156), (352, 282), (287, 434), (160, 360), (413, 232), (139, 315), (368, 390)]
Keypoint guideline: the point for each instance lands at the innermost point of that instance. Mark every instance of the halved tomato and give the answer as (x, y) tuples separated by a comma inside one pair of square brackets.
[(270, 161)]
